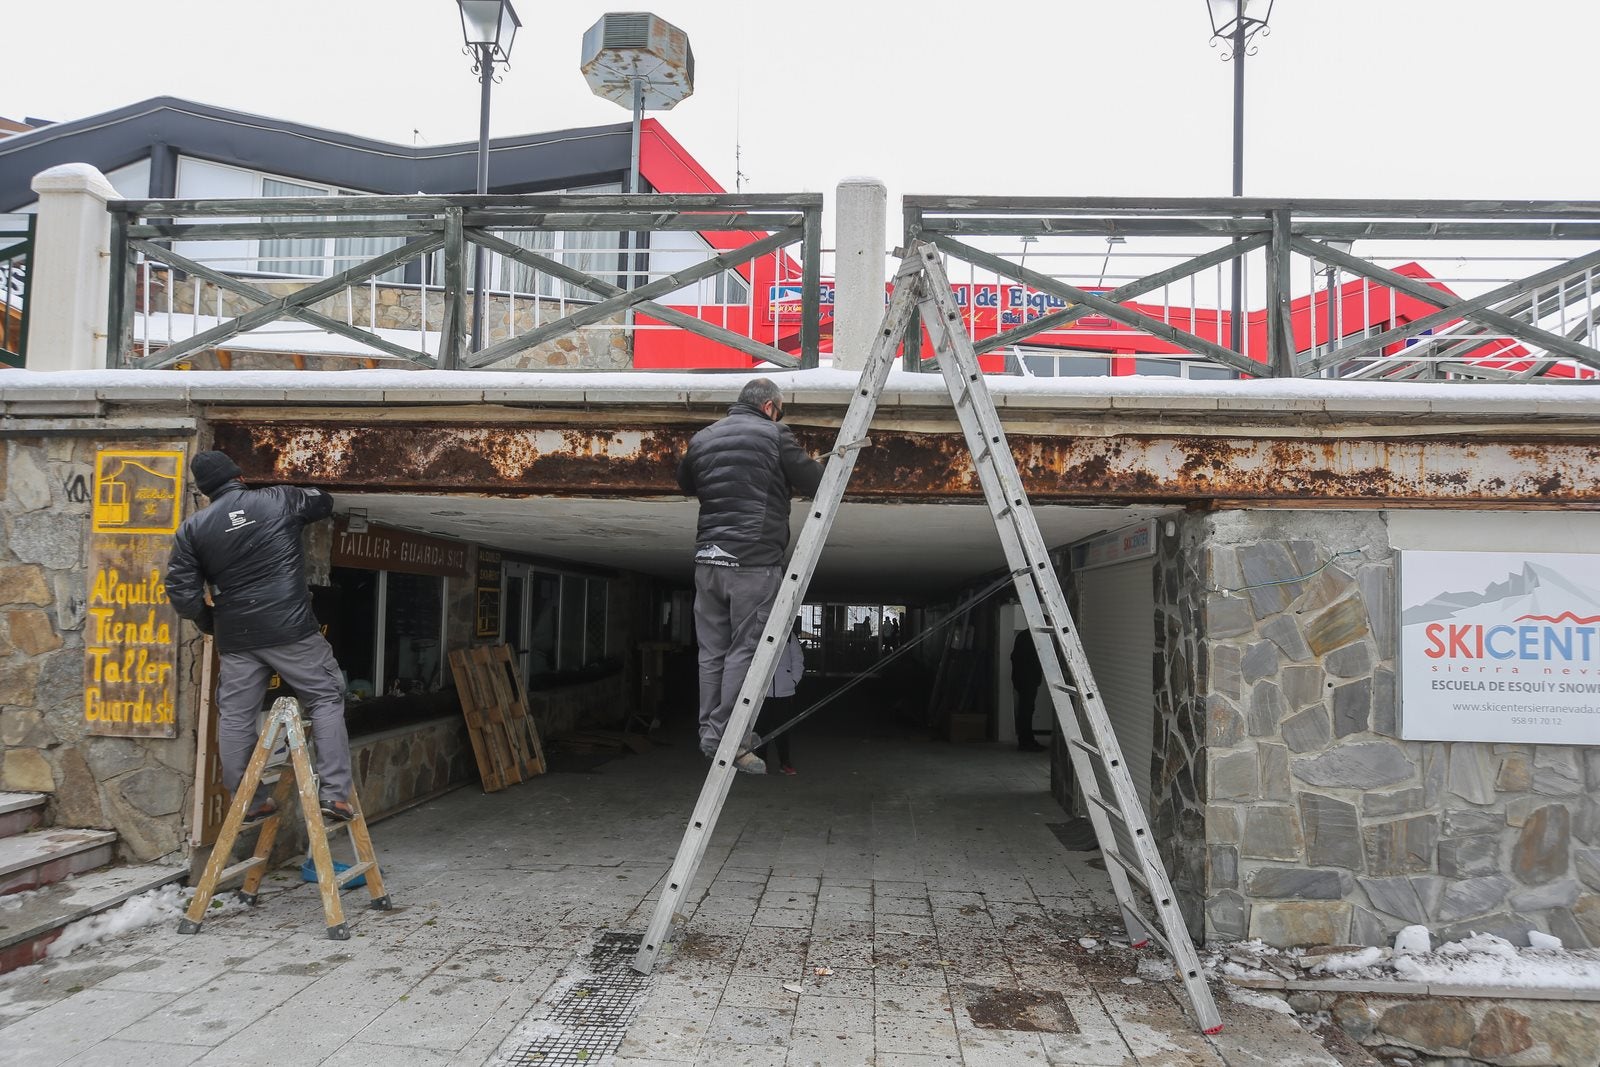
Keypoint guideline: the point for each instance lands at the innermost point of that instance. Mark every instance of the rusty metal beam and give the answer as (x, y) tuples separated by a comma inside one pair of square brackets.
[(901, 465)]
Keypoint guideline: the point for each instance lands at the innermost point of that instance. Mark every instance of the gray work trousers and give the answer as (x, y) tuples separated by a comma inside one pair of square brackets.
[(308, 666), (731, 605)]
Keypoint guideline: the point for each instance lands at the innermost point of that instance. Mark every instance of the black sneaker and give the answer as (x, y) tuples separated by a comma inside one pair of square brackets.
[(338, 809)]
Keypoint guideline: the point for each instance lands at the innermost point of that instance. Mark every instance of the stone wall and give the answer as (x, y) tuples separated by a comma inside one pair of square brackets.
[(1177, 752), (1320, 824), (604, 703), (401, 307), (139, 787), (1465, 1030), (396, 768)]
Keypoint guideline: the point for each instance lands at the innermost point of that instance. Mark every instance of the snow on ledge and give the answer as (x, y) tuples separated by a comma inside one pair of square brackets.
[(822, 386)]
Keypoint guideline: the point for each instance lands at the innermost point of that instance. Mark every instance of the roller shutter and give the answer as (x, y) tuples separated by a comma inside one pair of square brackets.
[(1116, 622)]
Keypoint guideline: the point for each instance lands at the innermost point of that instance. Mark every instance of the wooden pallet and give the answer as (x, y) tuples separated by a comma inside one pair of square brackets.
[(505, 740)]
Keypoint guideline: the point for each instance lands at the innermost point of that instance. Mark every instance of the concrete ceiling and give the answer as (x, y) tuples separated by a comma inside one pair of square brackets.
[(876, 552)]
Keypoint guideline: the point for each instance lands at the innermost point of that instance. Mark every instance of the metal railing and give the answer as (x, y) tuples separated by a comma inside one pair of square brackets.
[(1439, 289), (190, 276), (16, 256)]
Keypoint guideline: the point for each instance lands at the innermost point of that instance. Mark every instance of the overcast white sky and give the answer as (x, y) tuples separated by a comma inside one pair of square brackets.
[(1348, 98)]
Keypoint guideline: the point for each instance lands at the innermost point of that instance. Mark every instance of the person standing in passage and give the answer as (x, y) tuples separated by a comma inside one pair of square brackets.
[(1026, 675), (779, 705), (245, 546), (744, 469)]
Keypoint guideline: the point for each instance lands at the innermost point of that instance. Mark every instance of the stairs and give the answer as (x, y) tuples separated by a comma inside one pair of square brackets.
[(52, 877)]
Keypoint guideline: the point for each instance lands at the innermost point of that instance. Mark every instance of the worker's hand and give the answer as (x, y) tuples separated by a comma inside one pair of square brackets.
[(206, 621)]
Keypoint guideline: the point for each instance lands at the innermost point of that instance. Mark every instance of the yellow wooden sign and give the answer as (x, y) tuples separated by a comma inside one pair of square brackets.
[(137, 492), (130, 635)]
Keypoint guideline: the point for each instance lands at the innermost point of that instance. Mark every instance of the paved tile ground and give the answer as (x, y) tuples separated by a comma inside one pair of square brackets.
[(923, 875)]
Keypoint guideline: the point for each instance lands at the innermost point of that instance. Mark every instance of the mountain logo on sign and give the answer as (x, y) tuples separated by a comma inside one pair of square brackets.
[(1535, 592)]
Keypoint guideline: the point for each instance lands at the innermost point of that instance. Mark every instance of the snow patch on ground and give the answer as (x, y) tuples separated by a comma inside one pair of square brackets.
[(165, 904), (1251, 998), (1482, 960), (1349, 961)]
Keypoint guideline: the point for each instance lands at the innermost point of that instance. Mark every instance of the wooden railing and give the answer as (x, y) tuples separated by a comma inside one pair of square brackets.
[(1369, 289), (242, 251)]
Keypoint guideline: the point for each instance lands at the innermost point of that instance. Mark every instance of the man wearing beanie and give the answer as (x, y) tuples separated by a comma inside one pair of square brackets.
[(246, 548)]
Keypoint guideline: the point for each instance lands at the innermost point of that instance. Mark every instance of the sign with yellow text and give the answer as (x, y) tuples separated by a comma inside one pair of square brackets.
[(130, 635)]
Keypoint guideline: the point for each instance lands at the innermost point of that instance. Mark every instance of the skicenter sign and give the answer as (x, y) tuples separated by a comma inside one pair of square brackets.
[(1500, 646)]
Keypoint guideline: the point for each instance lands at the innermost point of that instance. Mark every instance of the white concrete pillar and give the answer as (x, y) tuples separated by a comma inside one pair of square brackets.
[(69, 287), (860, 243)]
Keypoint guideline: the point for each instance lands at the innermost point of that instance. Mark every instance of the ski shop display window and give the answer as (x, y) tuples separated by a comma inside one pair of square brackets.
[(387, 609)]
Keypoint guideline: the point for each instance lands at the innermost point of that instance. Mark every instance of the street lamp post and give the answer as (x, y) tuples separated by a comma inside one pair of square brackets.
[(489, 27), (1238, 22)]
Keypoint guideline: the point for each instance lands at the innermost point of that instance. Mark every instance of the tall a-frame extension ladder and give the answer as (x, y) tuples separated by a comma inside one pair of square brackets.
[(1119, 821)]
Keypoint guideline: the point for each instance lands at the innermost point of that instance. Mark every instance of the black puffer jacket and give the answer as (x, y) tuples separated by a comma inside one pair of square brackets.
[(246, 546), (744, 469)]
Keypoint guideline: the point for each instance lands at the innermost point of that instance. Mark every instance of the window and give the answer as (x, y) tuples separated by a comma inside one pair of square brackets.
[(301, 257), (386, 630), (1082, 366), (567, 617), (413, 632)]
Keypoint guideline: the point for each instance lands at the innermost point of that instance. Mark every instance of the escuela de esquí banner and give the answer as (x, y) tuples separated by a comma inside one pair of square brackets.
[(1500, 646)]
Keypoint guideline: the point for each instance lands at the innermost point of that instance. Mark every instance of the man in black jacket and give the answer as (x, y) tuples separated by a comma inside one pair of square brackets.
[(246, 547), (1026, 674), (744, 469)]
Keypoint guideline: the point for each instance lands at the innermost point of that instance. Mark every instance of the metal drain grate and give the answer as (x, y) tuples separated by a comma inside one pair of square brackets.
[(591, 1015)]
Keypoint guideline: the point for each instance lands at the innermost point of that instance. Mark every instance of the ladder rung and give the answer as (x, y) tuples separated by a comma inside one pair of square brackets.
[(1133, 870), (1100, 803), (356, 871), (242, 867), (1084, 746), (1064, 687)]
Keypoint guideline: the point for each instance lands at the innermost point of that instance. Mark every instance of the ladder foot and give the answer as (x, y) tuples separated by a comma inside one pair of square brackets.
[(339, 933), (188, 926), (1145, 943), (382, 903), (1217, 1029), (251, 899)]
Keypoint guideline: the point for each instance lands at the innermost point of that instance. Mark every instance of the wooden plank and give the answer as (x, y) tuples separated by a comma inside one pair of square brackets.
[(605, 308), (620, 222), (522, 709), (311, 294), (498, 713), (453, 331), (528, 258), (1280, 328), (1456, 308), (1149, 283), (1247, 205), (286, 230), (811, 289), (467, 690), (261, 296), (508, 202), (1114, 311)]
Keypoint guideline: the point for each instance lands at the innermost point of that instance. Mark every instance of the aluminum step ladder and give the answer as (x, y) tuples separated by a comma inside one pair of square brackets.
[(283, 722), (1120, 824)]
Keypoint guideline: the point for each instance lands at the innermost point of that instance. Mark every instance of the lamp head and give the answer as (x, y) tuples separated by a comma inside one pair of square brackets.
[(1227, 15), (489, 24)]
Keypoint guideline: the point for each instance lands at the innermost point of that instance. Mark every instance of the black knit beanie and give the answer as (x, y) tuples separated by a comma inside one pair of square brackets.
[(213, 470)]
